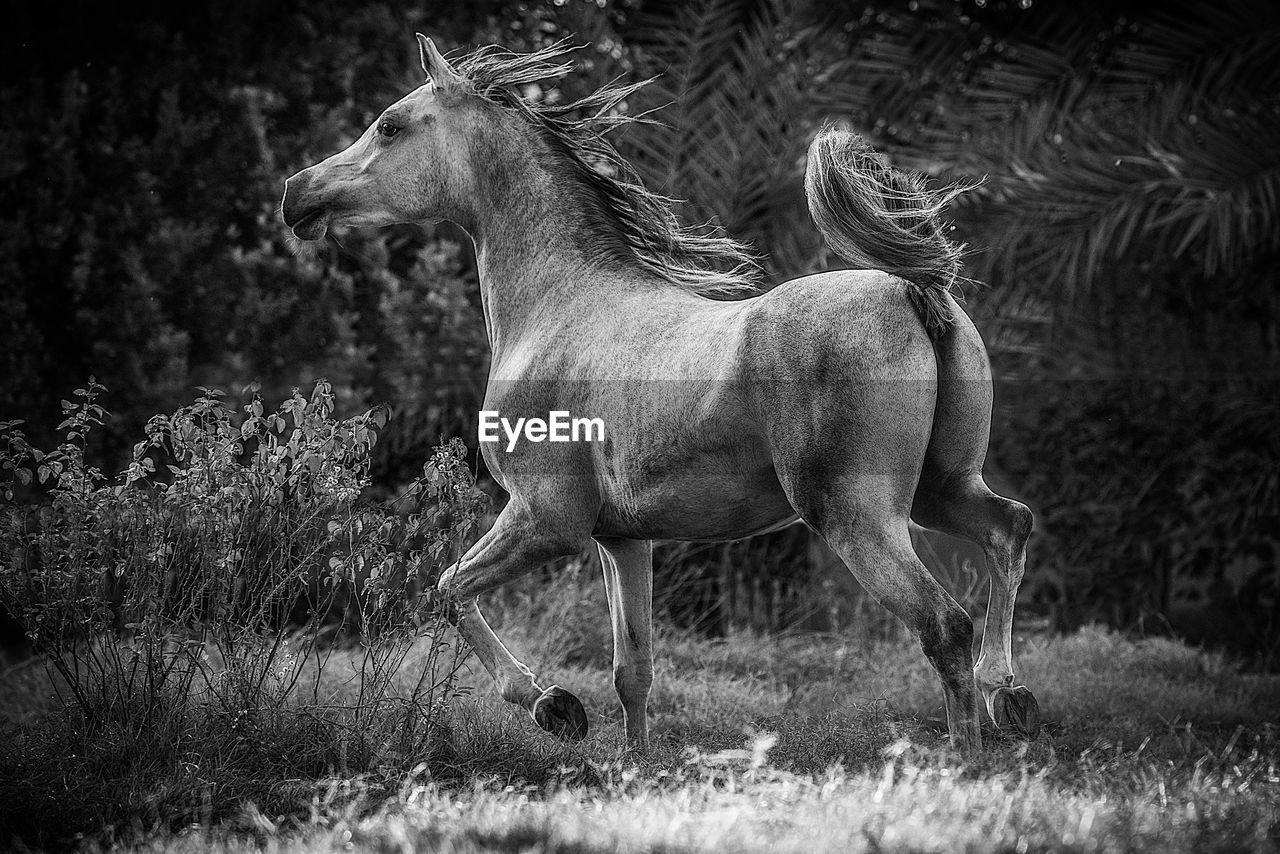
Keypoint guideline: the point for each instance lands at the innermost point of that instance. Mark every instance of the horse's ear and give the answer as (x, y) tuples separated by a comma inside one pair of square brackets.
[(437, 68)]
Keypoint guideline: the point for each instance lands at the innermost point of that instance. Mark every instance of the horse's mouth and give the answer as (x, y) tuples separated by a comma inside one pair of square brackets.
[(312, 225)]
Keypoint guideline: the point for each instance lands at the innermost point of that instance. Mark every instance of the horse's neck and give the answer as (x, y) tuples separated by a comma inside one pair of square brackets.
[(530, 263)]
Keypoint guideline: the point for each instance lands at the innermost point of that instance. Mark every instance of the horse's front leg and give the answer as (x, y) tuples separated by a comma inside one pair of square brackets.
[(628, 580), (516, 545)]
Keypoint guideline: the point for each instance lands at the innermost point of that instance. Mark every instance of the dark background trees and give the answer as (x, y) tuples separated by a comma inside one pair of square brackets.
[(1127, 229)]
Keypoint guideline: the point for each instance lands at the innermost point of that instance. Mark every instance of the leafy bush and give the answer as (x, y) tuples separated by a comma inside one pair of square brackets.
[(183, 607)]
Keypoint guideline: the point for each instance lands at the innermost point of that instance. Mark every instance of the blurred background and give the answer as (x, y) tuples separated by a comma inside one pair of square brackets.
[(1125, 237)]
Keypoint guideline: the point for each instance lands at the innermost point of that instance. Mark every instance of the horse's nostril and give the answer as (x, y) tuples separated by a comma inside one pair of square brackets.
[(292, 205), (304, 214)]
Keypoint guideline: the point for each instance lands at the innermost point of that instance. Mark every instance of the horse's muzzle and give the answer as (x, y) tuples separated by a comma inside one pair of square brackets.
[(301, 210)]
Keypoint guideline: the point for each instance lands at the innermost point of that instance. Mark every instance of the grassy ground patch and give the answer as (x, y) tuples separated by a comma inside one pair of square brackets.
[(802, 743)]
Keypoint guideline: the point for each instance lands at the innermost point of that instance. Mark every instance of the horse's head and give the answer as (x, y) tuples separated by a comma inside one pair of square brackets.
[(405, 167)]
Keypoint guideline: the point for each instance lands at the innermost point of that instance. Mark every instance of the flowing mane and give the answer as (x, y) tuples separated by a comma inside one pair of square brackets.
[(630, 223)]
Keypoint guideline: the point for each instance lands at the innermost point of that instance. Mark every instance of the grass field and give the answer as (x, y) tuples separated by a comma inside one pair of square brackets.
[(792, 743)]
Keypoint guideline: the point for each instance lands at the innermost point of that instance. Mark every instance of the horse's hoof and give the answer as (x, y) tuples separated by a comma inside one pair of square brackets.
[(561, 714), (1016, 710)]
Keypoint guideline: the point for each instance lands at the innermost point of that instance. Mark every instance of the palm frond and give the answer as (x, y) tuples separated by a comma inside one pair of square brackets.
[(1202, 193), (1103, 141), (739, 119), (1217, 48)]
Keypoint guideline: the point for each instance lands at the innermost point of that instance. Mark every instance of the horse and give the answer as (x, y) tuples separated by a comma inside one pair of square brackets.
[(853, 401)]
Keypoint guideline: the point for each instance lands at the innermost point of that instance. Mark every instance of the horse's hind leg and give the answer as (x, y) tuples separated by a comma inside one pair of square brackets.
[(963, 505), (886, 566), (876, 546)]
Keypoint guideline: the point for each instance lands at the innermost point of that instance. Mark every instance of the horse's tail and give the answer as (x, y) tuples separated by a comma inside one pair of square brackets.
[(877, 217)]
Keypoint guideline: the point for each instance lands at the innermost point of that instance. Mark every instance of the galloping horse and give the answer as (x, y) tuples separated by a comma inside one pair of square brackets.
[(853, 400)]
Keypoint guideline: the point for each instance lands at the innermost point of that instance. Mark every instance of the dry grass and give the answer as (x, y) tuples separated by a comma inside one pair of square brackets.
[(913, 807)]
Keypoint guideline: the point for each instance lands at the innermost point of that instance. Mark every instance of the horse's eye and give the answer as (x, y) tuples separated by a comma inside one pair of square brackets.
[(387, 129)]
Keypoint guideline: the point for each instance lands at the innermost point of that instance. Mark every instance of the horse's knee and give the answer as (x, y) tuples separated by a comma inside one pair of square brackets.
[(1019, 522), (448, 580)]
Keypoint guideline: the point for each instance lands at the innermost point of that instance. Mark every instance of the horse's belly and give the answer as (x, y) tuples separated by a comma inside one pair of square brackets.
[(705, 505)]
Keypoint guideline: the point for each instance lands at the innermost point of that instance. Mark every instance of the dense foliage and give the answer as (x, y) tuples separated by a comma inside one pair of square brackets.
[(1127, 226), (157, 599)]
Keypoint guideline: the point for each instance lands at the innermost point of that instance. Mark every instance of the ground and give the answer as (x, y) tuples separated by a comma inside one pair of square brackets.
[(808, 743)]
